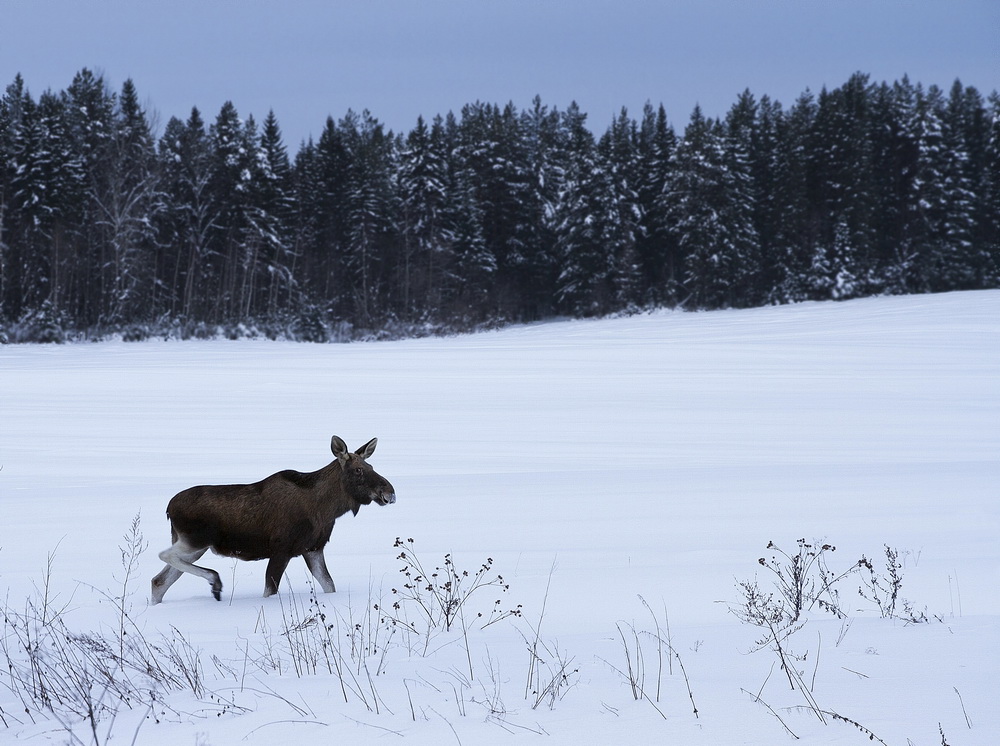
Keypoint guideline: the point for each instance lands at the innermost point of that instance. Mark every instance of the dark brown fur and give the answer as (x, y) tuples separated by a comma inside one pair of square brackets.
[(288, 514)]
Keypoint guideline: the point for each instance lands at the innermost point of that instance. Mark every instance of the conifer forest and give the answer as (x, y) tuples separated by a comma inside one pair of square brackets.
[(114, 225)]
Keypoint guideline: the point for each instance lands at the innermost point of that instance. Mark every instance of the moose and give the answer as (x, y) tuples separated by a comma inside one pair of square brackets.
[(282, 516)]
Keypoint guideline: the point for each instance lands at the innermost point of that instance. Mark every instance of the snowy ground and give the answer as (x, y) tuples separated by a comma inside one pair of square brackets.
[(623, 475)]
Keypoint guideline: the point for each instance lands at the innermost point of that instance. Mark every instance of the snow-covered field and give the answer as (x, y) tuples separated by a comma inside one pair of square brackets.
[(624, 476)]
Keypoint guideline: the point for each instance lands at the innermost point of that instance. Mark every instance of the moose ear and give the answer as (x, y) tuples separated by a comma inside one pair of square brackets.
[(339, 448), (368, 448)]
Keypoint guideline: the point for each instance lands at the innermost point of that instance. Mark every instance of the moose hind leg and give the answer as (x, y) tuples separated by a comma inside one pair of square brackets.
[(180, 558), (316, 563), (162, 581), (272, 575)]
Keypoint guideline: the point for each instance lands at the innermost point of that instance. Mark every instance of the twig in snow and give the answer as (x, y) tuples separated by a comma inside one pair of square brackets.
[(285, 722), (962, 702), (759, 701)]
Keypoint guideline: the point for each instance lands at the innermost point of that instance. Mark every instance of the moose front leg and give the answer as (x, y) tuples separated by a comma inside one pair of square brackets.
[(272, 576), (316, 563)]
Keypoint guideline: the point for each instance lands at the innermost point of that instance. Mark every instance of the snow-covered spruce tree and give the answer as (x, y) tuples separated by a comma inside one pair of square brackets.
[(925, 204), (745, 157), (273, 209), (46, 194), (599, 220), (943, 153), (891, 126), (989, 237), (468, 294), (830, 273), (369, 196), (965, 135), (622, 212), (230, 188), (710, 214), (125, 191), (922, 205), (186, 225), (493, 150), (768, 213), (321, 222), (545, 156), (427, 237), (249, 236), (796, 239), (583, 259), (655, 243), (841, 163), (517, 240), (89, 107), (10, 122), (24, 203)]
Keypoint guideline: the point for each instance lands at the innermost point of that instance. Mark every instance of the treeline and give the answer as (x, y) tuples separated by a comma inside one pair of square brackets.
[(493, 215)]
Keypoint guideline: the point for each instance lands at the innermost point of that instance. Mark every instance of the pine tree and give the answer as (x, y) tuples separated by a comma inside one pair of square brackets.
[(656, 245), (306, 181), (274, 209), (765, 159), (125, 191), (230, 189), (989, 237), (427, 238), (841, 158), (891, 116), (11, 115), (583, 259), (474, 265), (26, 268), (966, 133), (46, 193), (189, 220), (10, 106), (797, 232), (369, 202), (952, 254), (600, 215), (321, 175), (710, 215), (87, 260), (621, 213), (493, 153), (745, 159), (545, 168)]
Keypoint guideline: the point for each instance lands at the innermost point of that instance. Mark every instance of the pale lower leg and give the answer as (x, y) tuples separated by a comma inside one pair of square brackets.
[(166, 578), (316, 563), (180, 558)]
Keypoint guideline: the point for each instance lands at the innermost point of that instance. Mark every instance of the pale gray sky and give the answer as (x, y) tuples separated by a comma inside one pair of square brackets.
[(308, 59)]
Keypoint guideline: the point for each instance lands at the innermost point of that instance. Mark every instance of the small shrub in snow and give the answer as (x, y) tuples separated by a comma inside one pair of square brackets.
[(46, 325), (135, 333), (440, 594), (310, 326), (883, 589), (804, 579)]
